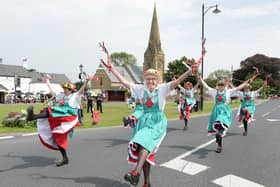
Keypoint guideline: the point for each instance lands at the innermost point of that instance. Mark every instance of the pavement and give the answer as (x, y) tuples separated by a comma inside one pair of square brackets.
[(185, 158)]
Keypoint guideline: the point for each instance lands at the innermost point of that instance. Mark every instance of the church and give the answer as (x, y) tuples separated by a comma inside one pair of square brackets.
[(153, 58)]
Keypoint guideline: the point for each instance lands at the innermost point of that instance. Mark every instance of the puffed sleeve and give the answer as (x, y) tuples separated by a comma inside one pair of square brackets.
[(137, 91), (255, 94), (212, 92), (165, 89)]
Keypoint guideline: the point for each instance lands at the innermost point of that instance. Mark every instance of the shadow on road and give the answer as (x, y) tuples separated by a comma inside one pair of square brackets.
[(173, 129), (29, 161), (116, 142), (97, 181)]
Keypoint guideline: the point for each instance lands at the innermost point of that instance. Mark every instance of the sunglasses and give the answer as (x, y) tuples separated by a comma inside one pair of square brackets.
[(221, 85)]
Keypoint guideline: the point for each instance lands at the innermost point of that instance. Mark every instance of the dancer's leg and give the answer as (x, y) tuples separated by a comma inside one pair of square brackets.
[(64, 157), (146, 171), (31, 116)]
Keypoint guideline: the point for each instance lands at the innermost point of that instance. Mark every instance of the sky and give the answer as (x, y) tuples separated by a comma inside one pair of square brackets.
[(56, 36)]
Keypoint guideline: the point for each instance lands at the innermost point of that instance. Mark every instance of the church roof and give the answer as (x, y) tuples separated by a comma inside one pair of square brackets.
[(131, 73)]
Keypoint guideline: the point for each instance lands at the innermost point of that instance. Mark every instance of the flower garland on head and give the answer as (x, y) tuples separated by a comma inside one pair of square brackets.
[(68, 85), (107, 64), (47, 77), (188, 84), (152, 72)]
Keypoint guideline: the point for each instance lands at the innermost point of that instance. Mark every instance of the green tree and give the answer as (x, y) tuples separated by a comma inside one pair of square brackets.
[(122, 58), (271, 65), (219, 74), (177, 68)]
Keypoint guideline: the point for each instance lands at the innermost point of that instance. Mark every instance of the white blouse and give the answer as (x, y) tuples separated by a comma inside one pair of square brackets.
[(213, 93), (74, 101), (137, 91)]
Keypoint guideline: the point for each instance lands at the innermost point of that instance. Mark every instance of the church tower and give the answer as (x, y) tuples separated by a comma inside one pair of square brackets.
[(154, 56)]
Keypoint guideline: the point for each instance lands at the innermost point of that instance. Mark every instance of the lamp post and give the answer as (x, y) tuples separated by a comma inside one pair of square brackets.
[(82, 74), (204, 11)]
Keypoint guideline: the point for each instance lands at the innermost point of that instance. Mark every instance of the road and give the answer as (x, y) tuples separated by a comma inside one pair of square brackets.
[(185, 158)]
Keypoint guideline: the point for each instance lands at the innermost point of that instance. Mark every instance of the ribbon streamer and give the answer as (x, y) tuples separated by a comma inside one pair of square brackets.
[(47, 77), (195, 65), (107, 64)]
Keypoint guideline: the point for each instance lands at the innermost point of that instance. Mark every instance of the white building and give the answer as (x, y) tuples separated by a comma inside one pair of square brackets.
[(27, 81)]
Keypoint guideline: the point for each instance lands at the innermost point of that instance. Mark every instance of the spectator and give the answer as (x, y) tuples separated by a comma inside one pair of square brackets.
[(99, 100), (89, 103)]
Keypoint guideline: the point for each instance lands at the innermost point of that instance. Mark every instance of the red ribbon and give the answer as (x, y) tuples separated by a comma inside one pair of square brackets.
[(255, 76), (196, 64), (106, 64), (48, 78)]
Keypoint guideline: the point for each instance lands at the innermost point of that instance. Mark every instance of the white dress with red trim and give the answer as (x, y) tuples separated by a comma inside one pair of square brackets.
[(151, 126), (62, 120)]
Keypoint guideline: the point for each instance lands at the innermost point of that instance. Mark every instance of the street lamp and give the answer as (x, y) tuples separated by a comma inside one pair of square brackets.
[(82, 74), (204, 11)]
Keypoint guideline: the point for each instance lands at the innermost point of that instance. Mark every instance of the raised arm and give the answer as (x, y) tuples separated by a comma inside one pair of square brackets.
[(121, 78), (261, 88), (176, 82), (111, 68), (50, 88), (241, 86), (179, 85), (204, 84), (81, 90)]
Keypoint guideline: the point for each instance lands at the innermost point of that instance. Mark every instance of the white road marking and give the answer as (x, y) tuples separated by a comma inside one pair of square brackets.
[(6, 137), (273, 120), (240, 126), (184, 166), (266, 114), (194, 150), (235, 181), (30, 134)]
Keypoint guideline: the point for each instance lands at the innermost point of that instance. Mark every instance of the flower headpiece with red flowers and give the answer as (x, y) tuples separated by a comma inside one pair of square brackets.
[(153, 72), (68, 85), (188, 84)]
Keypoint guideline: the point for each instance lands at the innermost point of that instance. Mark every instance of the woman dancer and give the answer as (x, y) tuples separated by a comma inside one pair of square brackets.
[(189, 101), (221, 115), (55, 123), (151, 126), (248, 107)]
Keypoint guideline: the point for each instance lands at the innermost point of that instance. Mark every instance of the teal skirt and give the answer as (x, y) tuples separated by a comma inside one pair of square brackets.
[(250, 106), (63, 111), (221, 113), (150, 130)]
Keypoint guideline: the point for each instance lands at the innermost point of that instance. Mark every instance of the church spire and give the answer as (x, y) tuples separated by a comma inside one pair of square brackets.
[(154, 34), (154, 56)]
